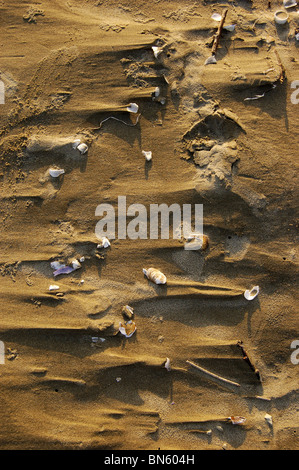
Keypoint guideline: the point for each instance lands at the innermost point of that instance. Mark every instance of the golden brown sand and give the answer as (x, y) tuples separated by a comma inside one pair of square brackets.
[(67, 66)]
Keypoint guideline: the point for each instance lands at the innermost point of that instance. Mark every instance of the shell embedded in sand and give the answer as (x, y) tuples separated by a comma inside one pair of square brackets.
[(197, 241), (237, 419), (147, 155), (167, 364), (155, 275), (82, 148), (216, 17), (251, 294), (53, 287), (76, 264), (55, 172), (211, 60), (289, 3), (76, 143), (128, 328), (128, 312), (104, 243), (133, 108), (269, 419), (157, 51)]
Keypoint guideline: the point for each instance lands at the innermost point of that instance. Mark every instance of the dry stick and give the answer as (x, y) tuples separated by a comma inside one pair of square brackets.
[(117, 119), (218, 34), (210, 374)]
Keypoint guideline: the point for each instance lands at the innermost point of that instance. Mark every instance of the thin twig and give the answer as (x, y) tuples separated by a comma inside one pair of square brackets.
[(215, 376), (117, 119), (218, 34)]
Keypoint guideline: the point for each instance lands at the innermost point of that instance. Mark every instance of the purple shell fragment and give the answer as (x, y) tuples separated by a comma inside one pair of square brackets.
[(63, 270)]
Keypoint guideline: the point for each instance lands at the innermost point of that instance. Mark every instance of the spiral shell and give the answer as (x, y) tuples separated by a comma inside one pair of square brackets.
[(155, 275), (128, 328)]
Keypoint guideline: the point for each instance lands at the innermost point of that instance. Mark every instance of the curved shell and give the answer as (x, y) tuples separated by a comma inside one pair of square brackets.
[(104, 243), (76, 143), (128, 328), (197, 242), (55, 172), (147, 155), (133, 108), (289, 3), (155, 275), (82, 148), (76, 264), (251, 294), (167, 364)]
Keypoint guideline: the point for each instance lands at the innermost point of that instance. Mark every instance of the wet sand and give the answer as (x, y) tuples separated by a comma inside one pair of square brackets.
[(71, 380)]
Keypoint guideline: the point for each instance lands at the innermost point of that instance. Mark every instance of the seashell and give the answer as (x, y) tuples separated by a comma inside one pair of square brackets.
[(297, 36), (128, 312), (104, 243), (237, 419), (63, 270), (167, 364), (155, 275), (53, 287), (230, 27), (156, 92), (55, 172), (157, 51), (289, 3), (281, 17), (197, 242), (56, 265), (251, 294), (76, 264), (211, 60), (82, 148), (76, 143), (147, 154), (269, 419), (82, 259), (216, 17), (127, 329), (133, 108)]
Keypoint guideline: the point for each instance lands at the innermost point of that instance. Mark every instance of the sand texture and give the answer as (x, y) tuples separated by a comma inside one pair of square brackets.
[(70, 379)]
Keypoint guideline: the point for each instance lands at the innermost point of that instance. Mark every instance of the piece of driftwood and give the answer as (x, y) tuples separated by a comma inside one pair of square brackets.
[(212, 375), (219, 31)]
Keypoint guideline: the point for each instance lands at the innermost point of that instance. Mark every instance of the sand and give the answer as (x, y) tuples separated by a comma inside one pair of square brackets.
[(70, 379)]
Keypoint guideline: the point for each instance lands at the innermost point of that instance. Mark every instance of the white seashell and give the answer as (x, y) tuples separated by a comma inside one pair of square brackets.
[(167, 364), (230, 27), (57, 265), (157, 51), (133, 108), (289, 3), (118, 379), (82, 148), (82, 259), (269, 419), (147, 154), (55, 172), (155, 275), (104, 243), (281, 17), (211, 60), (76, 143), (76, 264), (297, 36), (156, 92), (128, 328), (251, 294), (53, 287), (216, 17)]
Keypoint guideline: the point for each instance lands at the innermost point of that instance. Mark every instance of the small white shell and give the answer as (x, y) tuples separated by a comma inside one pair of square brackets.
[(147, 154), (76, 264), (211, 60), (167, 364), (269, 419), (127, 329), (157, 51), (76, 143), (55, 172), (230, 27), (82, 259), (216, 17), (251, 294), (53, 287), (56, 265), (82, 148), (104, 243), (281, 17), (133, 108), (289, 3), (155, 275), (156, 92)]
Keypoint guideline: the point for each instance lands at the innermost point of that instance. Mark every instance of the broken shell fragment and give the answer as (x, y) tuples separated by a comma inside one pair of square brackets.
[(82, 148), (133, 108), (216, 17), (289, 3), (128, 328), (53, 287), (104, 243), (63, 270), (155, 275), (236, 419), (56, 172), (269, 419), (251, 294), (76, 264), (167, 364), (76, 143), (128, 312), (211, 60), (197, 241), (57, 265), (157, 51), (147, 155), (230, 27)]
